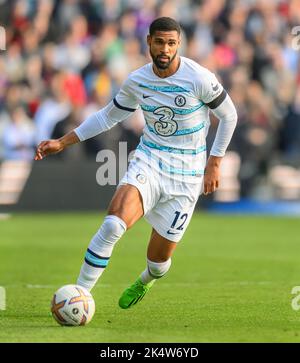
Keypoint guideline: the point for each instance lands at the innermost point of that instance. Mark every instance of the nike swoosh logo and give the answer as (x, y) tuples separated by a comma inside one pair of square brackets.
[(215, 88), (146, 96), (169, 232)]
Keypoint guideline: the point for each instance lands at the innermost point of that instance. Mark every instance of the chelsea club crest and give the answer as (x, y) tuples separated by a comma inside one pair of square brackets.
[(180, 101)]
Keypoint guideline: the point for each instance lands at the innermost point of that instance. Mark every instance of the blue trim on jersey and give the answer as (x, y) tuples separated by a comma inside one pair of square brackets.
[(177, 111), (170, 169), (164, 88), (174, 150), (97, 261), (182, 131)]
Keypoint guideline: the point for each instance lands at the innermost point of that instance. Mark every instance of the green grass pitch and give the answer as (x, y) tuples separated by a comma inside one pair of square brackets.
[(230, 281)]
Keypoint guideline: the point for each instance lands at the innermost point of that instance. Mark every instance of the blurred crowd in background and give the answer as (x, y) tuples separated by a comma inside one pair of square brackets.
[(66, 59)]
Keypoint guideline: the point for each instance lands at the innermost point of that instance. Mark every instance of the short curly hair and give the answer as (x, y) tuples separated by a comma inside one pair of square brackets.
[(164, 24)]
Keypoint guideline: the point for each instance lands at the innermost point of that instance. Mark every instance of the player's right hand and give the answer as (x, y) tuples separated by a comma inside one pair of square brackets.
[(48, 147)]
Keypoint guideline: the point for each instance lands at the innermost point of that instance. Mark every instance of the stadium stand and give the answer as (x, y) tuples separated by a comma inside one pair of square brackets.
[(65, 59)]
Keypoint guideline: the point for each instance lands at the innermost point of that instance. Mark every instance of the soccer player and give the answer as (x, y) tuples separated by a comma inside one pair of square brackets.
[(170, 168)]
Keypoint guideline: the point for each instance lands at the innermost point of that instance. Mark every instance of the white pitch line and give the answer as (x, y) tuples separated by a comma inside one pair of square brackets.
[(4, 216), (29, 286)]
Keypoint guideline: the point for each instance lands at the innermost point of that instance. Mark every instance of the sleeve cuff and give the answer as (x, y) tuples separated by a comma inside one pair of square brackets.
[(77, 132)]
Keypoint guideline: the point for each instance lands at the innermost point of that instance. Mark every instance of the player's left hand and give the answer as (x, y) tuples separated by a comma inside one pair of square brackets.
[(212, 175)]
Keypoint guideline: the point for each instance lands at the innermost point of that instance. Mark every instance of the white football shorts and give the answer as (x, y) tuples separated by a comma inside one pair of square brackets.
[(168, 204)]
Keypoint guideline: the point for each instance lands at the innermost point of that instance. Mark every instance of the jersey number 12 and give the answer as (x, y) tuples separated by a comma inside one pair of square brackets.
[(181, 219)]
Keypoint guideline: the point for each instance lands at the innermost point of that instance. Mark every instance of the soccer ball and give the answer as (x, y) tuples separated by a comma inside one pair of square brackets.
[(72, 305)]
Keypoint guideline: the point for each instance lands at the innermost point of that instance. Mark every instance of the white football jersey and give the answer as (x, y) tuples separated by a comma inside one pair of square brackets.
[(176, 111)]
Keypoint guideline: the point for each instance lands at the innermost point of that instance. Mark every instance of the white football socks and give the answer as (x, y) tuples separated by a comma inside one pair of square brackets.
[(155, 270), (100, 250)]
